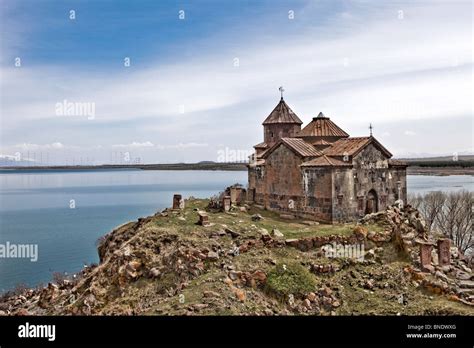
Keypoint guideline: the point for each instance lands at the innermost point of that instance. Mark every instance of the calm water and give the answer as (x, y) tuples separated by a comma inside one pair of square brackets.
[(35, 207)]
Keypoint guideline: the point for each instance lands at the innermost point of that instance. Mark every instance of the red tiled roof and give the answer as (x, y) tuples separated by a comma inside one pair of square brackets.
[(282, 114), (325, 161), (297, 145), (322, 126), (352, 146)]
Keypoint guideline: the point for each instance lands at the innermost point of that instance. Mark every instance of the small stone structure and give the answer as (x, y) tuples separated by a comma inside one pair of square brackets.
[(203, 219), (237, 194), (178, 202)]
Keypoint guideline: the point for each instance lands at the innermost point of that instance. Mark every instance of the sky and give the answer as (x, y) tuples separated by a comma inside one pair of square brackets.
[(91, 82)]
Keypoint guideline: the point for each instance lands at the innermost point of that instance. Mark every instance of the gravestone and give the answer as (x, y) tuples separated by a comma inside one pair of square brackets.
[(425, 256), (178, 202), (444, 254), (226, 203)]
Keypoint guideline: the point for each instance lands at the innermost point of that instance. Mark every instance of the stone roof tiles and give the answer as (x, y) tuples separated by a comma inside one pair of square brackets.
[(322, 126), (282, 114)]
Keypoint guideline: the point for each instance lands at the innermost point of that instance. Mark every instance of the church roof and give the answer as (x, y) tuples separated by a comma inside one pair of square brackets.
[(282, 114), (322, 126), (297, 145), (321, 142), (263, 145), (325, 161), (352, 146)]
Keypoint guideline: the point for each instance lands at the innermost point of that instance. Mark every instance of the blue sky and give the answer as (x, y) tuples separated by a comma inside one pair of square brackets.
[(198, 85)]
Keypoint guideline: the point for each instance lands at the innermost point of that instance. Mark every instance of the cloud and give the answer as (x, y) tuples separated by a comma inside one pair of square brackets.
[(409, 133), (363, 65), (28, 146), (135, 144)]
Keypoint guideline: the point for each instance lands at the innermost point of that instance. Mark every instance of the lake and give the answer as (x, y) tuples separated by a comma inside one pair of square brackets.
[(65, 212)]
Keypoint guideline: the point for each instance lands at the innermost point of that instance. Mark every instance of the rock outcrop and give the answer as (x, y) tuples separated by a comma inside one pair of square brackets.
[(168, 264)]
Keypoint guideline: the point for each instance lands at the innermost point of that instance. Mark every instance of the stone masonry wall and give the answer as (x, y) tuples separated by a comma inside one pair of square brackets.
[(370, 172)]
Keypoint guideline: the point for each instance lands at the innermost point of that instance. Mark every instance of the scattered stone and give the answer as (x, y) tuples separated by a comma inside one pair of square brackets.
[(257, 217), (232, 233), (240, 294), (155, 272), (277, 234), (307, 303), (311, 296), (291, 242), (265, 236), (310, 223), (234, 275), (260, 276), (211, 294), (212, 256)]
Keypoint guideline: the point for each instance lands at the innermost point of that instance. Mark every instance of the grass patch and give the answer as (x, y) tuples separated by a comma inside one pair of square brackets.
[(292, 278)]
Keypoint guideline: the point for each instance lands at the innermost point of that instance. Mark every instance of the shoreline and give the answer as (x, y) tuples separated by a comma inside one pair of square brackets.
[(411, 170)]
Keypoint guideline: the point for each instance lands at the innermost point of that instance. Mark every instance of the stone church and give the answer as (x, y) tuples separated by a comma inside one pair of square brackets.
[(320, 172)]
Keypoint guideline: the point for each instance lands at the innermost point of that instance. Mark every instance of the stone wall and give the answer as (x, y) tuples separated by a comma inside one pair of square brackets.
[(371, 172), (317, 186), (283, 180), (328, 194), (272, 133)]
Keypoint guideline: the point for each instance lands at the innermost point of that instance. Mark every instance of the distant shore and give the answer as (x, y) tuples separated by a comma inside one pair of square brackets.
[(411, 170)]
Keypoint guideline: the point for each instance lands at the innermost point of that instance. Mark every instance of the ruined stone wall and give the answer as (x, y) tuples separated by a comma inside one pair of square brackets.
[(256, 184)]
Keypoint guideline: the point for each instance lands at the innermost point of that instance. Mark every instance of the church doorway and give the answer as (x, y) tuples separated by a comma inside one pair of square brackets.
[(371, 202)]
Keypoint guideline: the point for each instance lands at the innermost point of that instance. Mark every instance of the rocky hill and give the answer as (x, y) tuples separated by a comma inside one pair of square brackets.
[(253, 262)]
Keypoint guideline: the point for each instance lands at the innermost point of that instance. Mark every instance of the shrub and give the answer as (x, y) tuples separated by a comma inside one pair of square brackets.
[(293, 278)]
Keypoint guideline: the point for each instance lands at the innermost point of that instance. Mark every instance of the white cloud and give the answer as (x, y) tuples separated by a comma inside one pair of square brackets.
[(135, 144), (409, 133), (396, 71), (28, 146)]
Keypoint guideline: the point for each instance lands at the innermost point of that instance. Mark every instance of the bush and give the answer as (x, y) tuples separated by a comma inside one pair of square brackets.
[(295, 279)]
